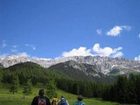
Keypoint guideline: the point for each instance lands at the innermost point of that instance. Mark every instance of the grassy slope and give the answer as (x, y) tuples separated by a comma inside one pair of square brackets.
[(7, 98)]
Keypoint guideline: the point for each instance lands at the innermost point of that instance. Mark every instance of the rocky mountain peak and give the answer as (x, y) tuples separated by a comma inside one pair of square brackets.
[(104, 65)]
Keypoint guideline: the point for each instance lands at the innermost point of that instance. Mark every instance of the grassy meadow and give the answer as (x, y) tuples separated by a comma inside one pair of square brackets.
[(7, 98)]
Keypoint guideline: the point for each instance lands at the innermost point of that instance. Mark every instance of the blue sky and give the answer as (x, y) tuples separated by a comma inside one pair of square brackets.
[(61, 28)]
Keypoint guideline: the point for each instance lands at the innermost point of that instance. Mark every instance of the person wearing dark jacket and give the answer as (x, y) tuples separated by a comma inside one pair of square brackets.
[(41, 99)]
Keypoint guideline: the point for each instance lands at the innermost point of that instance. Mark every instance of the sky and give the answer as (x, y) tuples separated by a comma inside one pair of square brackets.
[(63, 28)]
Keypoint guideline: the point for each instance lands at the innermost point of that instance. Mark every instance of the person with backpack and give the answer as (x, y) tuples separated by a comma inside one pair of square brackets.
[(79, 100), (54, 101), (41, 99), (63, 101)]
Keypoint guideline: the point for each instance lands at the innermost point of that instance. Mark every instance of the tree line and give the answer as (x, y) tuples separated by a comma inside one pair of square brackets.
[(126, 89), (26, 76)]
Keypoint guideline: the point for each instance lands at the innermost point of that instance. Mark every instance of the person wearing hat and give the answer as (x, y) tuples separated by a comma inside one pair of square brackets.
[(79, 100), (41, 99)]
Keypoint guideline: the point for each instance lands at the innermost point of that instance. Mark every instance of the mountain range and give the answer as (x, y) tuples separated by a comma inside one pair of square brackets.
[(91, 66)]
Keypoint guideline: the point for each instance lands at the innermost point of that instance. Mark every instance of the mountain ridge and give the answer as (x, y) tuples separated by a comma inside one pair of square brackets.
[(104, 65)]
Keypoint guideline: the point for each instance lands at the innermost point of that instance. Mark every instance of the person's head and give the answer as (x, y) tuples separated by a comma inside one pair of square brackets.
[(80, 98), (62, 98), (55, 96), (41, 92)]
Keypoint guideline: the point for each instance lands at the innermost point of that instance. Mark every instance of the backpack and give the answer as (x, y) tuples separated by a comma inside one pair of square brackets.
[(79, 103), (41, 101), (63, 102)]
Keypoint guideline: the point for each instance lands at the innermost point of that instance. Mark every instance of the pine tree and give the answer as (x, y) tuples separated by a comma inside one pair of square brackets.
[(51, 88), (121, 89), (14, 84), (27, 89)]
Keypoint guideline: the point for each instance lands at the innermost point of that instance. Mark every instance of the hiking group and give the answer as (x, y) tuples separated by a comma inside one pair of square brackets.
[(41, 99)]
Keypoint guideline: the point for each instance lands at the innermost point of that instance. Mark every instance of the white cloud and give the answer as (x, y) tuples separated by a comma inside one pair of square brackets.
[(116, 30), (107, 51), (137, 58), (31, 46), (127, 28), (99, 31), (95, 51), (101, 51), (117, 54), (82, 51)]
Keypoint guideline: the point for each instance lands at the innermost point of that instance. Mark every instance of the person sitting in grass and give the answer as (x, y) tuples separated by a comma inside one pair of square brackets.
[(79, 100), (41, 99)]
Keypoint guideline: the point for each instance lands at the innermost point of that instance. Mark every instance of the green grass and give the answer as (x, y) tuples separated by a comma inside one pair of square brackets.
[(7, 98)]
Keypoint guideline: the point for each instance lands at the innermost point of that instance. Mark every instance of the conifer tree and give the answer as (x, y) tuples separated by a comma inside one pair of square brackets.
[(27, 89), (51, 88), (14, 84)]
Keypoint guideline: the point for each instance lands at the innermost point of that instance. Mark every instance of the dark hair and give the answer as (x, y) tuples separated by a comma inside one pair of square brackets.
[(80, 97), (62, 96), (41, 92)]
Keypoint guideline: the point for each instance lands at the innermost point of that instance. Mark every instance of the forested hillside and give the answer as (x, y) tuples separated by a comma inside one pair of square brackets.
[(123, 89)]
